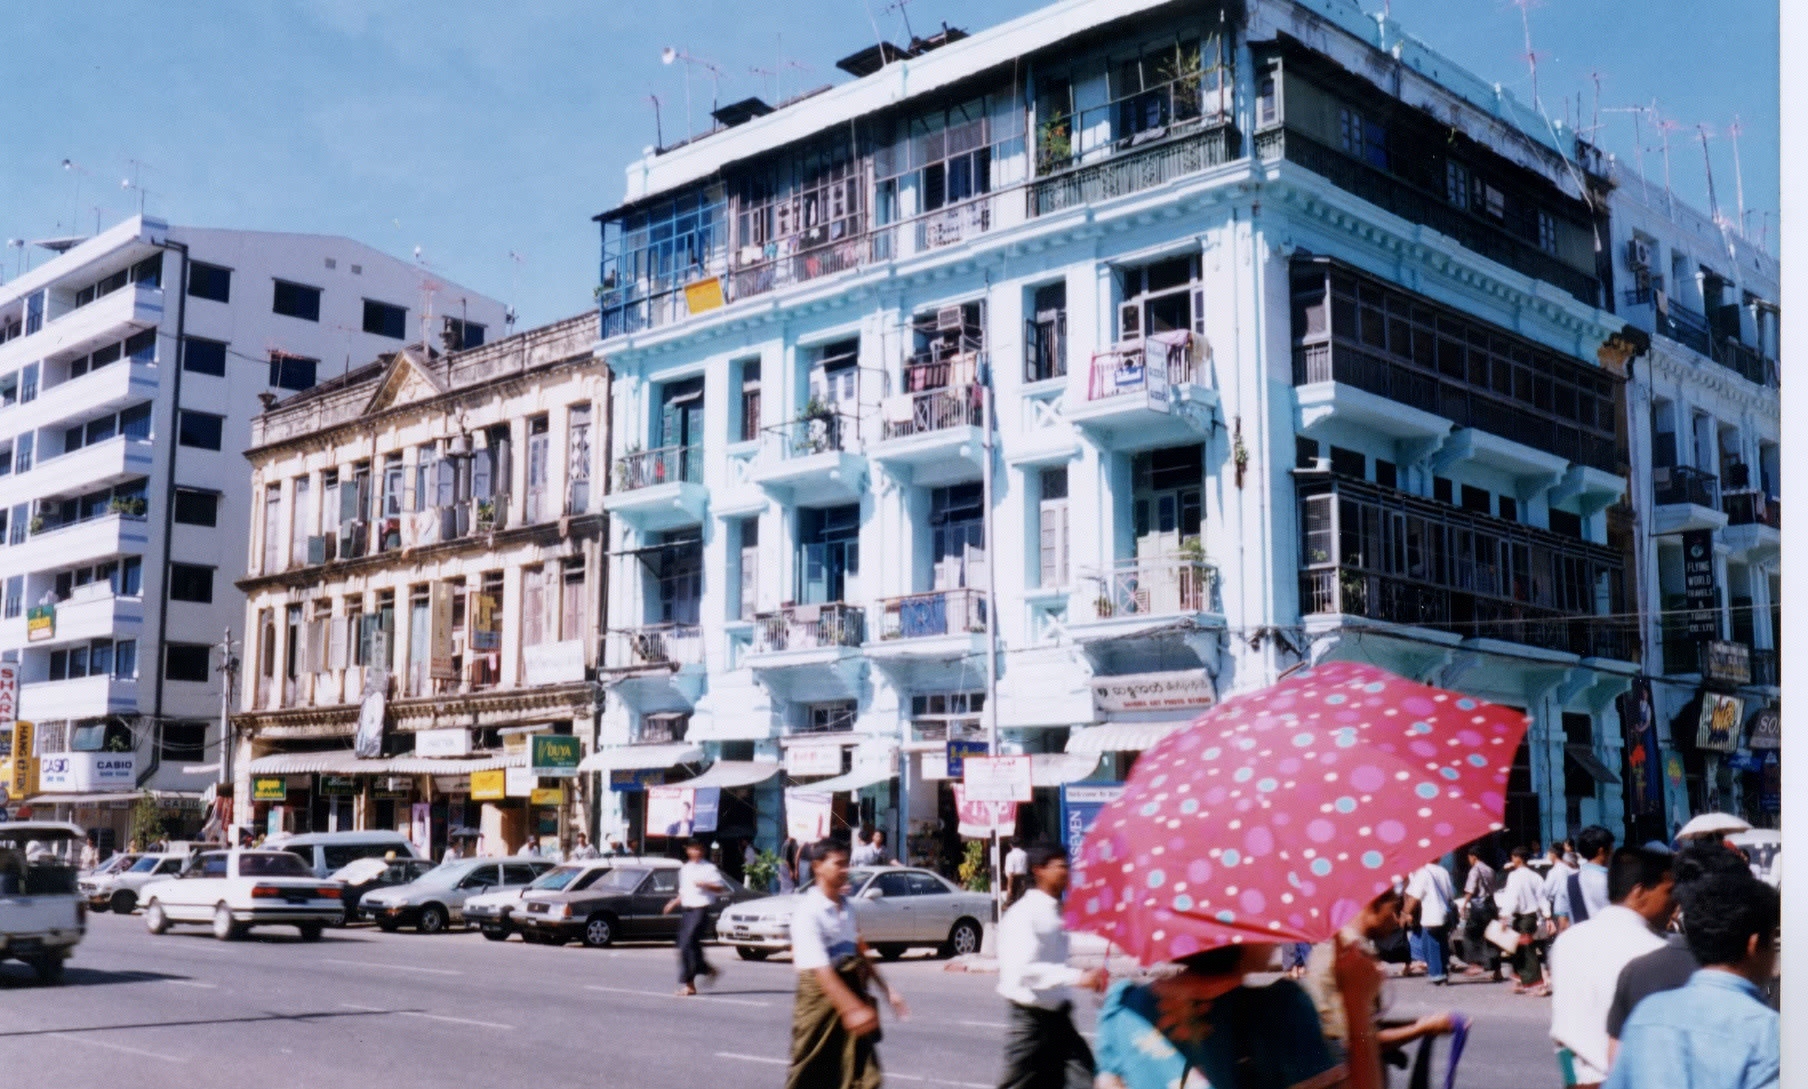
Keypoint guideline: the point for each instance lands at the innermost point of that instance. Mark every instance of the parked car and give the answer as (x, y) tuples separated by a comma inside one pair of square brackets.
[(118, 891), (41, 913), (494, 912), (626, 903), (235, 890), (437, 899), (367, 875), (899, 908), (325, 852), (119, 860)]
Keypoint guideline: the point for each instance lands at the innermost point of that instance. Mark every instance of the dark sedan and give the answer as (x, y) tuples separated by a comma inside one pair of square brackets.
[(625, 904)]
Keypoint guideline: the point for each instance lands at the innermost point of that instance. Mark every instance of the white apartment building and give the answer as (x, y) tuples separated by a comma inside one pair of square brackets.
[(1279, 330), (1706, 441), (424, 594), (130, 367)]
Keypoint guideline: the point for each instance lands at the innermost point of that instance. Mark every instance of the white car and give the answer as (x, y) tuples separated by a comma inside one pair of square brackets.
[(436, 899), (897, 907), (118, 891), (238, 889), (41, 917)]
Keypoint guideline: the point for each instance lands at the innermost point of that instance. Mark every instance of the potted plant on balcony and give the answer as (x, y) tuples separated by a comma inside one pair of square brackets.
[(132, 506), (1054, 143), (486, 514), (1182, 71), (818, 434), (624, 473), (36, 525), (1353, 590)]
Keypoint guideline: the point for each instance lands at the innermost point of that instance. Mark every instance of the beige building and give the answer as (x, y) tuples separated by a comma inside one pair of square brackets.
[(424, 595)]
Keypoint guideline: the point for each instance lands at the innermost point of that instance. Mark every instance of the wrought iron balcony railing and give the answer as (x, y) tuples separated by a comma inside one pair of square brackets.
[(938, 612), (664, 465), (1155, 586), (809, 627)]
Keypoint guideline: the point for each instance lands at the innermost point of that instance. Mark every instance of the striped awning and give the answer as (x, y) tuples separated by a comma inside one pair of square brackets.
[(1122, 736), (1060, 768), (345, 762), (633, 757), (734, 773)]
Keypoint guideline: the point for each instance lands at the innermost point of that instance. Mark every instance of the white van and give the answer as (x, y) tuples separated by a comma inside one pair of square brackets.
[(325, 852), (41, 917)]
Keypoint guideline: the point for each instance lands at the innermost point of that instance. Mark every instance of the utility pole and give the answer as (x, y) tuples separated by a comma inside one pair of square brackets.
[(986, 406), (229, 668)]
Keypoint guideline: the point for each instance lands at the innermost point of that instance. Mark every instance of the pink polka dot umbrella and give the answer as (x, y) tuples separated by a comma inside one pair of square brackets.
[(1278, 814)]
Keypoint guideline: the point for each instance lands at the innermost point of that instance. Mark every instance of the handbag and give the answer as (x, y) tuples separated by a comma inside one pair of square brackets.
[(1503, 935)]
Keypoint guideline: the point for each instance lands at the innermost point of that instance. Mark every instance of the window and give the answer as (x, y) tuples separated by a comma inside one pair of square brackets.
[(125, 660), (750, 400), (209, 282), (204, 356), (1547, 232), (750, 568), (197, 508), (135, 422), (1387, 474), (1305, 453), (18, 524), (129, 579), (296, 301), (1570, 525), (1046, 334), (465, 334), (272, 529), (571, 606), (292, 372), (1456, 183), (1053, 526), (182, 741), (191, 582), (202, 430), (382, 319), (187, 661), (577, 459), (1267, 102), (1477, 500), (539, 468), (1490, 200), (1441, 489), (829, 717), (1349, 463), (1509, 509), (1361, 137), (28, 383), (22, 451), (15, 596)]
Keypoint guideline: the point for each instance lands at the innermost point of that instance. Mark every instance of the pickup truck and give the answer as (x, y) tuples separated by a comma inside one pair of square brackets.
[(42, 918)]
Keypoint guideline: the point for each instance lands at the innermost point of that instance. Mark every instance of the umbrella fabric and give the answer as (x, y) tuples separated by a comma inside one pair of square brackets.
[(1277, 815), (1713, 824)]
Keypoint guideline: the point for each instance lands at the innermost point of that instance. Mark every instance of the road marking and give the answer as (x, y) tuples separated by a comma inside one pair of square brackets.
[(752, 1058), (116, 1047), (686, 998), (397, 967), (191, 983), (889, 1074), (430, 1016), (983, 1024)]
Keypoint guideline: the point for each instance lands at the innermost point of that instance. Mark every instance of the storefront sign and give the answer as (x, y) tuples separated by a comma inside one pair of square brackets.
[(448, 742), (489, 786), (9, 704), (336, 786), (1080, 807), (1767, 729), (1698, 583), (25, 765), (555, 756), (932, 766), (1638, 723), (82, 772), (1721, 717), (519, 782), (554, 795), (394, 790), (1726, 663), (678, 811), (554, 663), (486, 622), (269, 789), (439, 665), (452, 784), (808, 814), (701, 295), (958, 751), (1178, 690), (630, 780), (997, 778), (813, 760), (981, 820), (40, 623), (367, 743)]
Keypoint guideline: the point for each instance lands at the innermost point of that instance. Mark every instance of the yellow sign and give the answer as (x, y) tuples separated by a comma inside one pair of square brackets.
[(270, 789), (704, 295), (24, 781), (489, 786), (547, 796)]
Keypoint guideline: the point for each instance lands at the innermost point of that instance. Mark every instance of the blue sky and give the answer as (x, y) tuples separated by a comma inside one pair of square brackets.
[(481, 130)]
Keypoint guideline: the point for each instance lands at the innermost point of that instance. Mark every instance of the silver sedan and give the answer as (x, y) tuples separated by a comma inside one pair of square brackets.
[(898, 908), (437, 899)]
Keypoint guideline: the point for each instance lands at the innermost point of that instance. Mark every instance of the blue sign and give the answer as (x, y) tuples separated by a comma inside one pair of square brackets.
[(1080, 805), (627, 780), (958, 751)]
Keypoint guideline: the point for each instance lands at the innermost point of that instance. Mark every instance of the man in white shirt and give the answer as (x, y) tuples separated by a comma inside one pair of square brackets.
[(584, 851), (1042, 1049), (699, 883), (1521, 901), (864, 853), (1016, 872), (1587, 958), (1429, 890)]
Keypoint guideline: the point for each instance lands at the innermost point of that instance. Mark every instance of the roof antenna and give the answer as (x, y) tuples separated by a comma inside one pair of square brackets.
[(1525, 22), (1732, 131), (658, 127), (1665, 126), (902, 7)]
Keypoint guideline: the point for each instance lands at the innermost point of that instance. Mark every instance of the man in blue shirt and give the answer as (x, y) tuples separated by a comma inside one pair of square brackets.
[(1716, 1032), (1582, 895)]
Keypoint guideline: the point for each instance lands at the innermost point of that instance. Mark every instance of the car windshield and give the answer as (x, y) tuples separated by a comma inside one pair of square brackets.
[(856, 880), (555, 879), (623, 880), (272, 864), (145, 864), (443, 876)]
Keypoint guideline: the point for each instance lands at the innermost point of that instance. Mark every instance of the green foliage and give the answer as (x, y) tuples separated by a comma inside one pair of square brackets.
[(147, 822), (975, 867), (762, 873)]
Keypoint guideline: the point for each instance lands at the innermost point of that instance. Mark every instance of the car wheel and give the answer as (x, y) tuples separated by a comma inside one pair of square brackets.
[(748, 952), (432, 919), (155, 920), (49, 969), (495, 933), (310, 932), (223, 926), (891, 950), (599, 931), (963, 939), (387, 925), (123, 901)]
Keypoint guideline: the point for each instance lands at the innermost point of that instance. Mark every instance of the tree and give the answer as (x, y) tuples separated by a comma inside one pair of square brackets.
[(147, 822)]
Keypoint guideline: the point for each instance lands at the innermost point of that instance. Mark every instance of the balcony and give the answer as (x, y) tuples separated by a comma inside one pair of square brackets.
[(1754, 525), (1739, 357), (1411, 203), (1686, 498), (96, 612), (1164, 586), (1140, 168), (934, 626), (111, 461), (809, 629), (932, 435), (1148, 393), (656, 667), (99, 538), (109, 389), (659, 489), (114, 316), (813, 460), (1684, 326), (84, 697)]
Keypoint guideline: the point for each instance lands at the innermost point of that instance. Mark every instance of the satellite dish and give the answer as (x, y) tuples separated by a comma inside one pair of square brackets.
[(666, 56)]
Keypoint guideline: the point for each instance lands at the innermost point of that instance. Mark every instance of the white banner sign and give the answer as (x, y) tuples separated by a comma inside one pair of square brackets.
[(519, 782), (935, 765), (808, 815), (84, 772), (813, 760), (1179, 690), (554, 663), (449, 742), (9, 695), (998, 779)]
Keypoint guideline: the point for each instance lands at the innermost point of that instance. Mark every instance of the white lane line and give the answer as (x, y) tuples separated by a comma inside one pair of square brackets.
[(116, 1047), (191, 983), (752, 1058), (891, 1075), (396, 967), (983, 1024), (430, 1016), (683, 998)]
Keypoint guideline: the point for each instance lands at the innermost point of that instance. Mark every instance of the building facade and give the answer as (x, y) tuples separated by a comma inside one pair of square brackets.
[(1706, 440), (130, 367), (1172, 345), (423, 597)]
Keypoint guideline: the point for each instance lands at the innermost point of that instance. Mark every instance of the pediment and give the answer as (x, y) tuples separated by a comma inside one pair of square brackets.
[(409, 379)]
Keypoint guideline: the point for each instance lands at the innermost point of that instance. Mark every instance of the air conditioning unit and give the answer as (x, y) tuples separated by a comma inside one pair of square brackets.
[(949, 318), (1638, 253)]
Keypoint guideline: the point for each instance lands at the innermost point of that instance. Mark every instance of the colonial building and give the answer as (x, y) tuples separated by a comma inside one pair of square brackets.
[(423, 599), (1170, 344), (130, 367)]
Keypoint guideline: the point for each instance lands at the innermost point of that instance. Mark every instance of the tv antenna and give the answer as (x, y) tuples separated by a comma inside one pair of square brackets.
[(77, 172), (1525, 23), (669, 56), (902, 7), (136, 181), (1732, 131)]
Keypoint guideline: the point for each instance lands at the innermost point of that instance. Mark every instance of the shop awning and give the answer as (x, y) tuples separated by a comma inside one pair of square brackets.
[(734, 773), (1061, 768), (631, 757), (853, 780), (345, 762), (1122, 736), (85, 799), (1585, 758)]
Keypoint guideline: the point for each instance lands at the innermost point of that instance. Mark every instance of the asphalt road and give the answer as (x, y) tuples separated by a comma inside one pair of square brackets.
[(450, 1011)]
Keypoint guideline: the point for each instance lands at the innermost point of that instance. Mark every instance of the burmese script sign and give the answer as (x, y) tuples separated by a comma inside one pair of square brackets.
[(1179, 690)]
